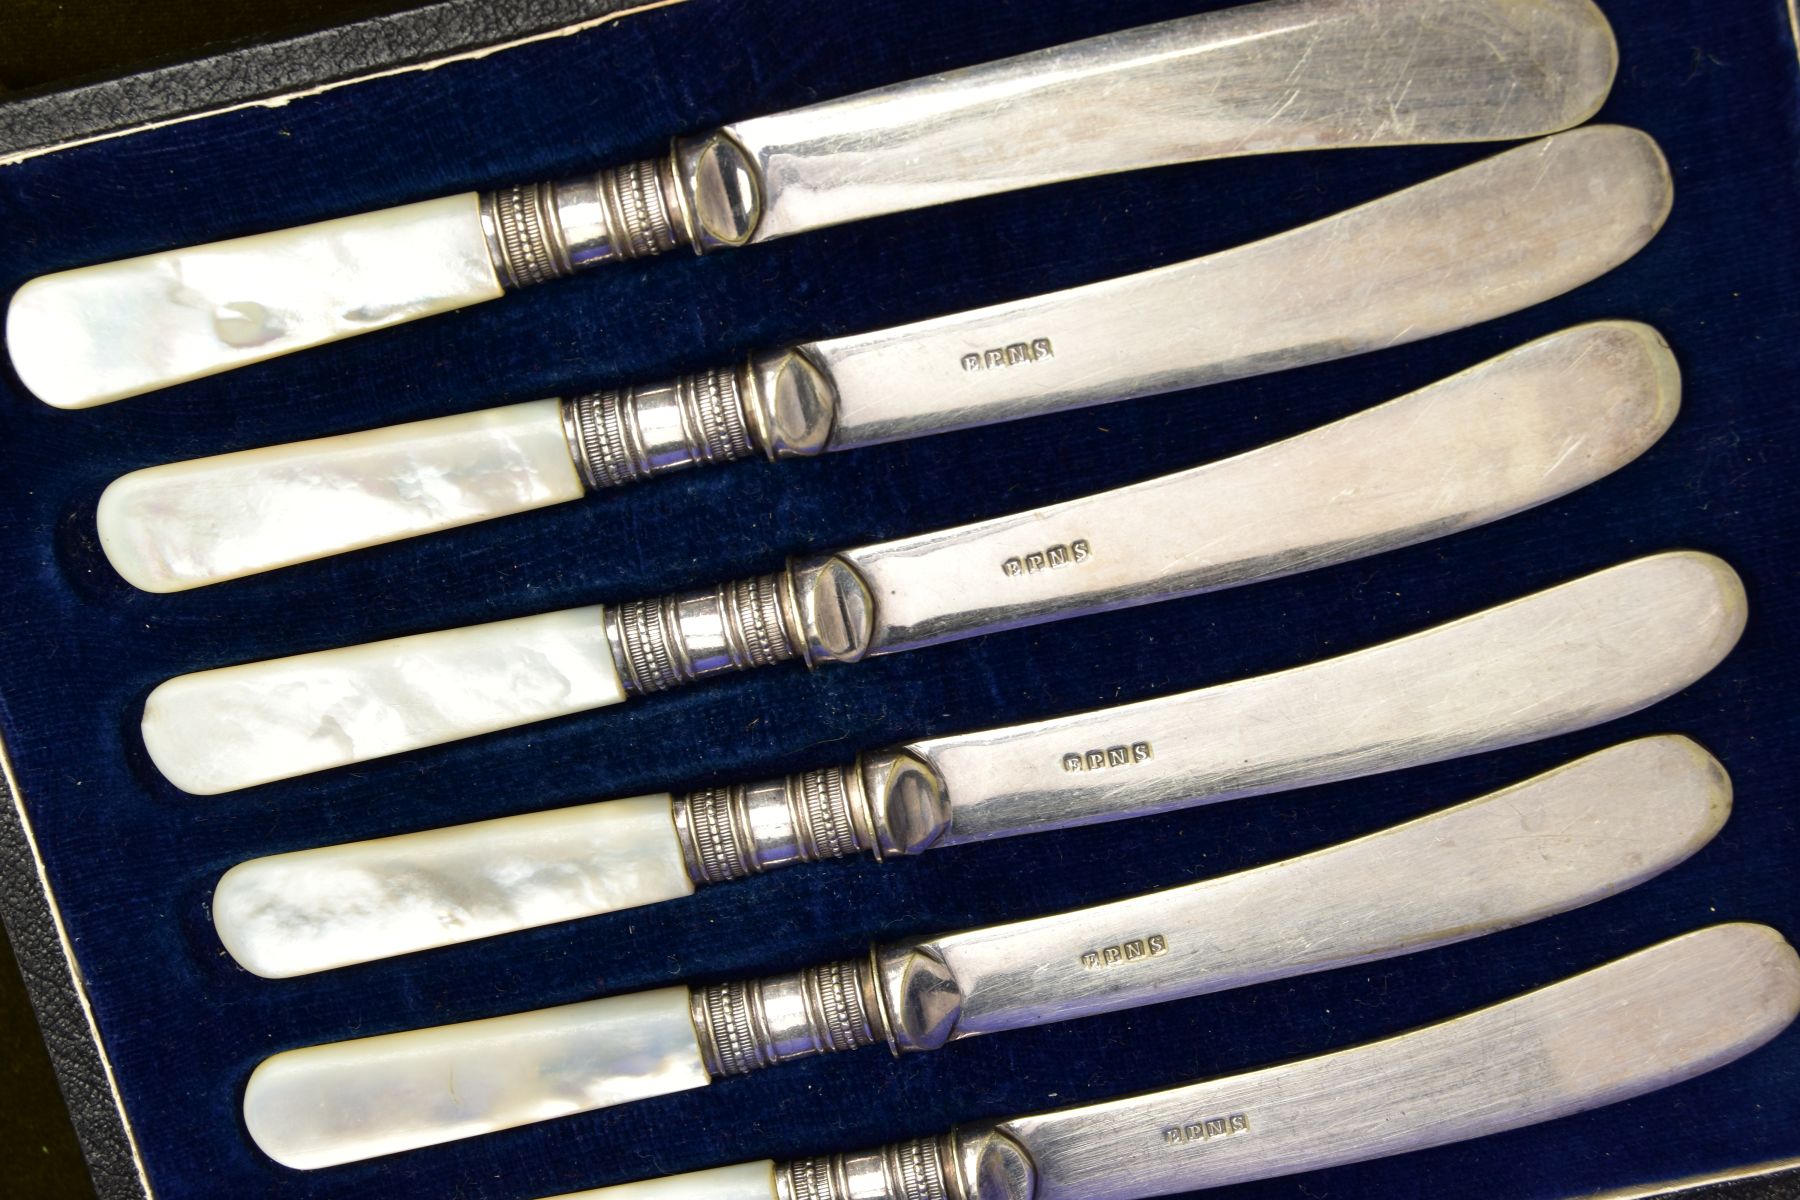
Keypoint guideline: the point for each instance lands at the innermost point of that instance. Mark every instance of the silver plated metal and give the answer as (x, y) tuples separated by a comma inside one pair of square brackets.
[(744, 829), (1644, 1022), (543, 231), (622, 435), (1278, 76), (1513, 432), (1255, 79), (1451, 252), (1559, 840), (1466, 247), (1575, 655), (1501, 437), (745, 1026), (664, 643), (911, 1170), (1587, 830)]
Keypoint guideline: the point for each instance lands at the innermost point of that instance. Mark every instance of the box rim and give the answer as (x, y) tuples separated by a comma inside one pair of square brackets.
[(68, 116), (44, 121)]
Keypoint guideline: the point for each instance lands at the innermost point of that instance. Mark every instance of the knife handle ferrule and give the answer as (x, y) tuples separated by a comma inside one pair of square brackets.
[(673, 640), (745, 829), (919, 1169), (623, 435), (888, 802), (819, 610), (705, 193), (972, 1164), (537, 232), (779, 404), (747, 1025)]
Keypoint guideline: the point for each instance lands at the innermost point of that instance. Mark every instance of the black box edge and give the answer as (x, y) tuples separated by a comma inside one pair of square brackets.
[(247, 73)]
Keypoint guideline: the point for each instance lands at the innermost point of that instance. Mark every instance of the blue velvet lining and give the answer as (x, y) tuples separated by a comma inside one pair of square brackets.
[(132, 860)]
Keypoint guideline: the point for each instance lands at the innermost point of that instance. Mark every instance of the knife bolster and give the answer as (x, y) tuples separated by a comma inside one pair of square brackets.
[(832, 609), (778, 404), (919, 997), (792, 404), (891, 802), (905, 801), (622, 435), (746, 829), (717, 188), (989, 1165), (747, 1025)]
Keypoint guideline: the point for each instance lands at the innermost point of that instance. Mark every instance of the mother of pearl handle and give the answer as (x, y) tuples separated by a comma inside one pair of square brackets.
[(187, 524), (97, 334), (352, 1100), (181, 525), (235, 726), (291, 914), (742, 1181)]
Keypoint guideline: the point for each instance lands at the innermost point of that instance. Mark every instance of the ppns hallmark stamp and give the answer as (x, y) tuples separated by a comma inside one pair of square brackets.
[(1052, 558), (1102, 758), (1154, 946), (1014, 355), (1209, 1130)]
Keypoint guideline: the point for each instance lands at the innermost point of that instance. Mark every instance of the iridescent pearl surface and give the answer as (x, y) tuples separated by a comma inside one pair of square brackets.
[(101, 333), (292, 914), (744, 1181), (182, 525), (216, 731), (324, 1105)]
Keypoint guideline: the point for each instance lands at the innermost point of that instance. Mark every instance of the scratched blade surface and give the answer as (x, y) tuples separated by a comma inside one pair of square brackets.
[(1514, 432), (1256, 79), (1478, 243), (1555, 842), (1653, 1019), (1566, 658)]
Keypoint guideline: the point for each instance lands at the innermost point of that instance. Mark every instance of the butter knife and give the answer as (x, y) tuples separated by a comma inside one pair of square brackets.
[(1566, 658), (1278, 76), (1466, 247), (1648, 1021), (1580, 833), (1519, 430)]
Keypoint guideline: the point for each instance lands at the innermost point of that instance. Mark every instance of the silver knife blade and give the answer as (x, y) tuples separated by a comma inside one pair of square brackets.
[(1648, 1021), (1578, 834), (1284, 75), (1644, 1022), (1259, 79), (1489, 239), (1504, 436), (1569, 657)]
